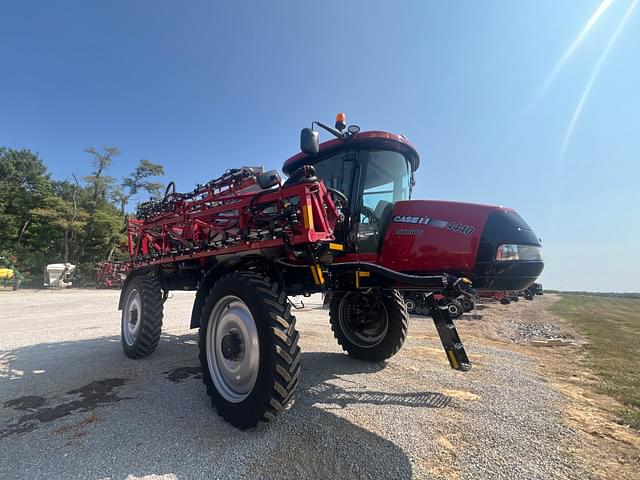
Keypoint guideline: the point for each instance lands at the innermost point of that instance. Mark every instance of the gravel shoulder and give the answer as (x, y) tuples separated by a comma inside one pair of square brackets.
[(73, 406)]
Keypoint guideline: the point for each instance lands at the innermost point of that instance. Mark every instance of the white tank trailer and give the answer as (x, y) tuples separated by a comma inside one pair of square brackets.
[(58, 275)]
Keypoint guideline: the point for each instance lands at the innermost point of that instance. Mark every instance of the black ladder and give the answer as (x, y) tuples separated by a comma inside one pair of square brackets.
[(448, 335)]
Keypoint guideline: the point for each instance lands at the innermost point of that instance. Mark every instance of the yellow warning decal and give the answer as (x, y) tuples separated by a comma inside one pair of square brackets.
[(316, 273), (336, 246), (454, 360), (359, 275), (320, 275), (307, 217)]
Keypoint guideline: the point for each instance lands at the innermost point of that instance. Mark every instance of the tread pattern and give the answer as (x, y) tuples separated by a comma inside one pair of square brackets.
[(152, 311), (280, 338), (396, 333)]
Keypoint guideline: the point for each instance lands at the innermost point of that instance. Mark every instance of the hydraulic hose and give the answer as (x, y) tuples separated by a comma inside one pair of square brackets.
[(429, 281)]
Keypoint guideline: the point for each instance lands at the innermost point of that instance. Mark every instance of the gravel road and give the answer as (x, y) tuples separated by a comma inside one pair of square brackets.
[(73, 406)]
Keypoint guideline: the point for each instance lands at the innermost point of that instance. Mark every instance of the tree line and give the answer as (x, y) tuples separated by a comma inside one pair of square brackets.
[(79, 220)]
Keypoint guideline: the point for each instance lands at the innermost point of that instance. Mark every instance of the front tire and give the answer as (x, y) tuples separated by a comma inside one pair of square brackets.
[(370, 327), (249, 350), (141, 317)]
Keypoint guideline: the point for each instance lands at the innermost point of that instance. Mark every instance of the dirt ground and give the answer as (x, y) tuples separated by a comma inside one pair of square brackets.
[(73, 406)]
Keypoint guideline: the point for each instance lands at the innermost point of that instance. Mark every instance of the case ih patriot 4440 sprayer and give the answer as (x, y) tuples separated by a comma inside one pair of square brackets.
[(342, 223)]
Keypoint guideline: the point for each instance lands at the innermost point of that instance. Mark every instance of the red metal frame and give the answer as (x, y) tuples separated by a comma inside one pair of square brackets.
[(111, 274), (229, 215)]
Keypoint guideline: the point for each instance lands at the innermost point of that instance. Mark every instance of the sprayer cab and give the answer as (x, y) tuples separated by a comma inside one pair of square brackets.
[(491, 245)]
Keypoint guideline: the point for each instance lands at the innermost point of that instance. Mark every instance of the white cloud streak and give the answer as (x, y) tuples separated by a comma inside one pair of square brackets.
[(592, 79)]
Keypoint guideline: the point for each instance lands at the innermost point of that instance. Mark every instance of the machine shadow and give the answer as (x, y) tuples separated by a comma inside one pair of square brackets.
[(94, 377), (322, 370)]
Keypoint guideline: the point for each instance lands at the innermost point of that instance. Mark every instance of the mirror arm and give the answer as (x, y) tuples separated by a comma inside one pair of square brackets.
[(331, 130)]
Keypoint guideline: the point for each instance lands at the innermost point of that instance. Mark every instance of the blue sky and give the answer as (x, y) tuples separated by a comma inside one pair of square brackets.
[(202, 86)]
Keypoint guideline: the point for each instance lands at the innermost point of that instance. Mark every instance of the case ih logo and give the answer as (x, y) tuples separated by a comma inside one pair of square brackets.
[(432, 222)]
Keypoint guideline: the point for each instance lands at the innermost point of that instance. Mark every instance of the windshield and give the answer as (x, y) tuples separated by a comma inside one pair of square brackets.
[(387, 179)]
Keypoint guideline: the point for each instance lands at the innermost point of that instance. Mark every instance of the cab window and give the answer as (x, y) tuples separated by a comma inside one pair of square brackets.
[(336, 173), (387, 180)]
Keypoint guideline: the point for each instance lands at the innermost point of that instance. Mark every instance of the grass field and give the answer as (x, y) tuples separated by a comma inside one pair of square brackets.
[(612, 327)]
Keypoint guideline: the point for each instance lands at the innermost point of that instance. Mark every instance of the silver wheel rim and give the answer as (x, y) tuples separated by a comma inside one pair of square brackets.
[(132, 318), (367, 337), (233, 349), (453, 309)]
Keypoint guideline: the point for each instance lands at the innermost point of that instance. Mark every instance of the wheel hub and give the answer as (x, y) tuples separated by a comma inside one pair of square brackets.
[(232, 346), (364, 320), (233, 349)]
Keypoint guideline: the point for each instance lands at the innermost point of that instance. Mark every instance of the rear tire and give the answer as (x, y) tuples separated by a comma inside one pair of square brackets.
[(505, 301), (141, 317), (249, 350), (370, 327)]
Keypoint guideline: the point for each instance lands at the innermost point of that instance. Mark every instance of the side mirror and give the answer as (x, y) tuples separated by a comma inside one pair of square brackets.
[(309, 141)]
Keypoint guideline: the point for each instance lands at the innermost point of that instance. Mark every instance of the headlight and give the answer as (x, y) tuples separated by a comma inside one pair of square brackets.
[(512, 252)]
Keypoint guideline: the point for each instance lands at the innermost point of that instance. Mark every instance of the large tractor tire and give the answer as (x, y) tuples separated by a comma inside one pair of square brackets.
[(505, 301), (249, 350), (371, 327), (141, 317)]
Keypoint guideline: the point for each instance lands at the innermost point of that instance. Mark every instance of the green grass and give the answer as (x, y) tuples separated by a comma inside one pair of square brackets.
[(612, 327)]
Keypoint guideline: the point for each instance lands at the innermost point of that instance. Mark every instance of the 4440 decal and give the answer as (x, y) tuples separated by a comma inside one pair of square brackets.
[(432, 222)]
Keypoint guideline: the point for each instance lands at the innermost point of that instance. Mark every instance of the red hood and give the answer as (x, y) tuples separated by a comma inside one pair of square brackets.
[(434, 236)]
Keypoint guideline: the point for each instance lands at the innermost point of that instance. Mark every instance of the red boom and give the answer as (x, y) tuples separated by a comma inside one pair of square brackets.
[(232, 214)]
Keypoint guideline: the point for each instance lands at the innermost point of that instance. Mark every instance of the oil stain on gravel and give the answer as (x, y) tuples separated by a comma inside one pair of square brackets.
[(29, 402), (92, 395)]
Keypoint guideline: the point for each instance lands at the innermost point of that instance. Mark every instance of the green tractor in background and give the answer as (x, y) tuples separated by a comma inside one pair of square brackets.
[(10, 277)]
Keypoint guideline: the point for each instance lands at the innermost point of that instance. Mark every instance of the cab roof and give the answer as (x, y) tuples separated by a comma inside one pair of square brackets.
[(373, 139)]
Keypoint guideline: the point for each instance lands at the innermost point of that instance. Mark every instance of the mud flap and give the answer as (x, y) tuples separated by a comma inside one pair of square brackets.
[(448, 335)]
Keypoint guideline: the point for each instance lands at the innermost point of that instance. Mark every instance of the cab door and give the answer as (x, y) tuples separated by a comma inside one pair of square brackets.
[(341, 171), (385, 179)]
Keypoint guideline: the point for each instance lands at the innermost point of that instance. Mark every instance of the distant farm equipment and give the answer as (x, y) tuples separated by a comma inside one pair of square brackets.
[(505, 297), (59, 275), (111, 274), (10, 277), (456, 303)]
